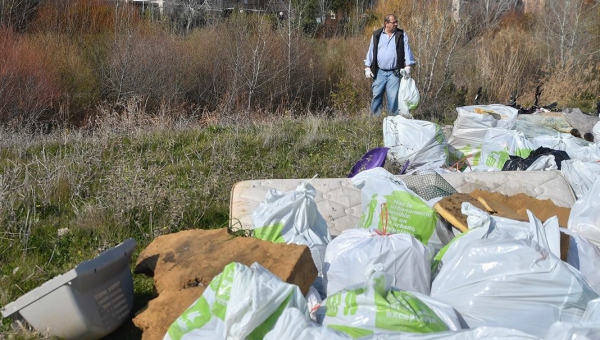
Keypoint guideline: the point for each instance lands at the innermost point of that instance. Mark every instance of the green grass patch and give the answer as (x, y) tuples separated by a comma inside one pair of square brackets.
[(80, 197)]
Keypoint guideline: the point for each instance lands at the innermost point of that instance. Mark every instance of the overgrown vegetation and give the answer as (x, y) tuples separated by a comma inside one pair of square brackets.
[(67, 196), (117, 124), (66, 62)]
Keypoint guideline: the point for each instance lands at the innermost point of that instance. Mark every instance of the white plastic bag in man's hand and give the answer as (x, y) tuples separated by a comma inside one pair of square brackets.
[(293, 217), (408, 97)]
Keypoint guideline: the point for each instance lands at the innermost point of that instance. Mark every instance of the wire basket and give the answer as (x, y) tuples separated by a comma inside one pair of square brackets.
[(428, 184)]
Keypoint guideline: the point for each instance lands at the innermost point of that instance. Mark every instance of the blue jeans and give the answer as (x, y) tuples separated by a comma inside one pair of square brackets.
[(387, 82)]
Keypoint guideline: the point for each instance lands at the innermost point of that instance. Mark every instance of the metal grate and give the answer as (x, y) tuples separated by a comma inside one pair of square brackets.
[(428, 184)]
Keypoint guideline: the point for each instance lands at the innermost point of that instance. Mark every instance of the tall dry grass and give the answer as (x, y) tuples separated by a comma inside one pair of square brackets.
[(254, 65)]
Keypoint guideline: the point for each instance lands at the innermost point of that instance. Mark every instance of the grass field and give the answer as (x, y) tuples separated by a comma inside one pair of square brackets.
[(67, 196)]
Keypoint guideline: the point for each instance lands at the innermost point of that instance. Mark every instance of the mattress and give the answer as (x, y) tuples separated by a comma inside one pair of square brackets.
[(339, 201)]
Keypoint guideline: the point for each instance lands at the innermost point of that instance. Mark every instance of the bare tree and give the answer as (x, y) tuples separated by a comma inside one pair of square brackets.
[(566, 29), (17, 14)]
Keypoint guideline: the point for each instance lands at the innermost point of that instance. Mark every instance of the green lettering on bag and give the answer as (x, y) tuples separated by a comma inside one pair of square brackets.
[(259, 332), (353, 332), (270, 233), (408, 214), (223, 291), (435, 264), (477, 156), (350, 304), (194, 317), (367, 218), (523, 153), (401, 311), (332, 304), (200, 313)]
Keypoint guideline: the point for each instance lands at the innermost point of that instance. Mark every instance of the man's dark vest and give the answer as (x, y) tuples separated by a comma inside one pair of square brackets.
[(399, 35)]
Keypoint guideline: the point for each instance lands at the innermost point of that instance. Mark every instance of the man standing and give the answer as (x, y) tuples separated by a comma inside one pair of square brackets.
[(388, 55)]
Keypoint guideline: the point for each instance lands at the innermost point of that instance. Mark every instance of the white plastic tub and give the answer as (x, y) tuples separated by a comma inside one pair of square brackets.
[(86, 303)]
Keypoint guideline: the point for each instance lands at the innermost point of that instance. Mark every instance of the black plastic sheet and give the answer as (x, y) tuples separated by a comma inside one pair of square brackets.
[(516, 163)]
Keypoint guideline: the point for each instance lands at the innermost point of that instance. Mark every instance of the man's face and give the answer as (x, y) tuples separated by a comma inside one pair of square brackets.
[(391, 24)]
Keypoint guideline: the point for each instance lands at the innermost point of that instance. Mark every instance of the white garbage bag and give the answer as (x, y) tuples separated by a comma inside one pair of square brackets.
[(531, 130), (472, 124), (494, 276), (293, 324), (543, 163), (596, 132), (417, 141), (375, 307), (498, 144), (389, 204), (584, 256), (482, 225), (576, 148), (586, 329), (479, 333), (408, 97), (580, 174), (355, 253), (293, 217), (592, 312), (573, 331), (584, 218), (239, 303), (313, 301)]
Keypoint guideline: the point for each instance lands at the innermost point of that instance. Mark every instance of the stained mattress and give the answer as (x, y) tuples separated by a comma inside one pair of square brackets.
[(339, 201)]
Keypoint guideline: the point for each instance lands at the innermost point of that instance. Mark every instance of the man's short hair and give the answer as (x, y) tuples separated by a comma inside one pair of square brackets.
[(387, 17)]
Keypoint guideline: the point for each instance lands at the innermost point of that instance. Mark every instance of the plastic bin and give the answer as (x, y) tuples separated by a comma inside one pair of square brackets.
[(87, 303)]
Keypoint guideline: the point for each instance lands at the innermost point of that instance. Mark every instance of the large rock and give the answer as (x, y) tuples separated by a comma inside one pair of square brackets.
[(184, 263)]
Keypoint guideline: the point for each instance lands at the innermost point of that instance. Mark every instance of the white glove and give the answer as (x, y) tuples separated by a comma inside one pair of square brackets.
[(368, 73), (405, 72)]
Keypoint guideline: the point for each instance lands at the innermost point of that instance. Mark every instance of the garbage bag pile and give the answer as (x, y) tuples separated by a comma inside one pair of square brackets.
[(405, 270), (497, 138)]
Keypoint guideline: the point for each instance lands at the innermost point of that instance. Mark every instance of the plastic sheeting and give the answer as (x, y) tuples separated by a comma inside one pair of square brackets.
[(584, 256)]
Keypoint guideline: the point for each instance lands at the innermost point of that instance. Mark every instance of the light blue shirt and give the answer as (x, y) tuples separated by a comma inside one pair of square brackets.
[(386, 52)]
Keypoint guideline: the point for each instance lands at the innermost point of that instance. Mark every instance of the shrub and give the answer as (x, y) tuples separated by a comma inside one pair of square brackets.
[(29, 84)]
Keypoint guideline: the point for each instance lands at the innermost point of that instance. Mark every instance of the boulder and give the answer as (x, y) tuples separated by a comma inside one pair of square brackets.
[(183, 264)]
